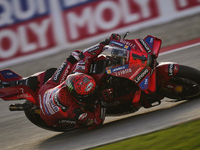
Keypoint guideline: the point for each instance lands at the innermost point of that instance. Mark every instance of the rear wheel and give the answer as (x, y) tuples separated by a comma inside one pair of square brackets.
[(35, 118)]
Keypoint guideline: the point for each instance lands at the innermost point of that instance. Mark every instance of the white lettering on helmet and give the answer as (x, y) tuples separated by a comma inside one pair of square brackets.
[(89, 87)]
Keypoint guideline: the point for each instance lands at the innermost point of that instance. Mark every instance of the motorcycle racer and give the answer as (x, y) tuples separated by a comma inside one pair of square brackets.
[(64, 97)]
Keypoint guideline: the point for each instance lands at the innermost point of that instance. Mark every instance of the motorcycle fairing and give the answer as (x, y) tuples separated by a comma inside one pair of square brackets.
[(165, 72), (15, 87), (136, 97), (8, 75), (116, 69), (145, 83), (141, 52), (150, 41), (135, 59), (17, 93), (154, 43), (152, 83), (137, 68)]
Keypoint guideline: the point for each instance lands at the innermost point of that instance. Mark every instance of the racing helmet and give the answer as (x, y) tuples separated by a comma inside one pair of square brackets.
[(118, 55), (82, 88)]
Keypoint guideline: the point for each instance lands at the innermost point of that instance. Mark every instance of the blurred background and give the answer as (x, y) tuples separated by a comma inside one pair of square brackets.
[(38, 34)]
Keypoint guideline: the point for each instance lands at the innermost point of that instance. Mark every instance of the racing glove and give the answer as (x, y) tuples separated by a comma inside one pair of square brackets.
[(74, 57), (113, 36), (90, 53)]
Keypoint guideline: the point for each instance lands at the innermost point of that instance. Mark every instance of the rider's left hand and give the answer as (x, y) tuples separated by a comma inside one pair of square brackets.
[(75, 54)]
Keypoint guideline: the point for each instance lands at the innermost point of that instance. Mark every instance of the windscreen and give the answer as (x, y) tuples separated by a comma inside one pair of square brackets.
[(114, 51), (118, 55)]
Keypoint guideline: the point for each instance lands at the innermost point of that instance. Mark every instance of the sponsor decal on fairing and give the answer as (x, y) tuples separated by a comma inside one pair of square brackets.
[(8, 74), (145, 46), (145, 83), (142, 74), (150, 41), (123, 72), (116, 43), (126, 46), (109, 71), (171, 70)]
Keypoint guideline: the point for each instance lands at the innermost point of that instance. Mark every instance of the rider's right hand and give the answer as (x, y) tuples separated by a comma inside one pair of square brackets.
[(114, 36)]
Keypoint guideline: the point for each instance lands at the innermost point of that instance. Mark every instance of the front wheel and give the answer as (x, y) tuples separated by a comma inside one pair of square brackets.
[(186, 84)]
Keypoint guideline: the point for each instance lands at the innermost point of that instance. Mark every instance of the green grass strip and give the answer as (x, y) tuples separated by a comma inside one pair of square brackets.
[(181, 137)]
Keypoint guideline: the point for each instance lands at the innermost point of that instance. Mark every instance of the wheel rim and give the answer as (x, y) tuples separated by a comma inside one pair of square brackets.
[(190, 88)]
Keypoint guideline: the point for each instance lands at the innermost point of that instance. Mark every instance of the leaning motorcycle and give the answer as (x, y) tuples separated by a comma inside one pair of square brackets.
[(128, 66)]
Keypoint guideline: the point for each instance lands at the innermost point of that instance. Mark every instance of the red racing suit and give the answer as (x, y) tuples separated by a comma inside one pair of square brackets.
[(57, 105)]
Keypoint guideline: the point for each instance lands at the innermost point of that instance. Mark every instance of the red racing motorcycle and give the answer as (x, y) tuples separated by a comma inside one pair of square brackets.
[(129, 67)]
